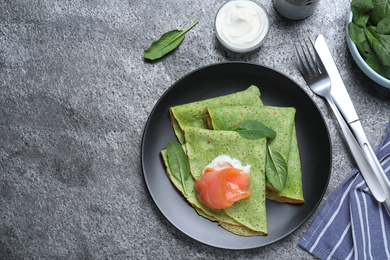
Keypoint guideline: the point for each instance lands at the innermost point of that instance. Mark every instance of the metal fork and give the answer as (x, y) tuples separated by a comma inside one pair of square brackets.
[(317, 78)]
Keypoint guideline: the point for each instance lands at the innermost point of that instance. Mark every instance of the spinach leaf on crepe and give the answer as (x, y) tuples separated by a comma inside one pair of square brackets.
[(253, 129), (178, 163), (292, 192), (276, 169)]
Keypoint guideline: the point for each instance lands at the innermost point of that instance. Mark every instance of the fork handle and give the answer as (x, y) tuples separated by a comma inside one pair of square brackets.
[(361, 160)]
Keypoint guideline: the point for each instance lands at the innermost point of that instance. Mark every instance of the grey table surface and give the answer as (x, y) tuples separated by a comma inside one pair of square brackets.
[(75, 95)]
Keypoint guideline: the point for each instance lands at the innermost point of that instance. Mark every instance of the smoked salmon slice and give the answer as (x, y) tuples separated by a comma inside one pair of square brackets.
[(219, 189)]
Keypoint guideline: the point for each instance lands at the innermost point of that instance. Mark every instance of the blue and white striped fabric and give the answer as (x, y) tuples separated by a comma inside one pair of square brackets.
[(352, 224)]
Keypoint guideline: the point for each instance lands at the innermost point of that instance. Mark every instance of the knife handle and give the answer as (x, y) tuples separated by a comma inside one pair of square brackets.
[(361, 137), (361, 160)]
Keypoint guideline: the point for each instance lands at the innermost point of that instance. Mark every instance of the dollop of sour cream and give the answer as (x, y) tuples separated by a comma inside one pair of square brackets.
[(242, 24), (225, 161)]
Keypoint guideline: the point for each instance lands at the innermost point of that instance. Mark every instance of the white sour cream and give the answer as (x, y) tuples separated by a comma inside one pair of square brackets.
[(242, 25), (225, 161)]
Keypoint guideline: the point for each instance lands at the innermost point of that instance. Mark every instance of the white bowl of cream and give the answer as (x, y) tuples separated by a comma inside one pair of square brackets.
[(242, 25)]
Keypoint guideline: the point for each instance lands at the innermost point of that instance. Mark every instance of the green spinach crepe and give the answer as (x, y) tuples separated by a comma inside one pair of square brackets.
[(282, 121), (204, 145), (191, 114), (191, 123), (246, 217)]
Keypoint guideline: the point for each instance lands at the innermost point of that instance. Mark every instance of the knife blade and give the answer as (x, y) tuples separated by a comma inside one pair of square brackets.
[(339, 92), (344, 103)]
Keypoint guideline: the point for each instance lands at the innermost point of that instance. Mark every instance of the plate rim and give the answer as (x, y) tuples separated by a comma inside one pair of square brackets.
[(169, 89)]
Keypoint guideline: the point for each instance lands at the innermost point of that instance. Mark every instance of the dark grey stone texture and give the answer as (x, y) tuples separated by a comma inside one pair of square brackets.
[(75, 94)]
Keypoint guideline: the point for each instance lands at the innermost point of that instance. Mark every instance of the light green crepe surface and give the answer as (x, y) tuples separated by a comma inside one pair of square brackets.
[(191, 114), (282, 121), (204, 145), (241, 230)]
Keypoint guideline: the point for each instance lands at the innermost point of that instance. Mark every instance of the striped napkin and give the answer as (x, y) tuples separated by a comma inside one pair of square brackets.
[(352, 224)]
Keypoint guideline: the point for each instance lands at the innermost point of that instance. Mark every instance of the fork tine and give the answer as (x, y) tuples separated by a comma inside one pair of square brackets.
[(301, 65), (304, 65), (312, 68), (309, 61), (312, 60), (310, 64)]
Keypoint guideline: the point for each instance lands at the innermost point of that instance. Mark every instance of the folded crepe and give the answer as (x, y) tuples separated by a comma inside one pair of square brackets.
[(282, 121), (204, 145), (246, 217), (292, 192), (191, 114), (212, 214)]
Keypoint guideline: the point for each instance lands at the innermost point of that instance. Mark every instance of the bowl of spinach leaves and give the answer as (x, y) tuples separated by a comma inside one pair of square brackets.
[(368, 38)]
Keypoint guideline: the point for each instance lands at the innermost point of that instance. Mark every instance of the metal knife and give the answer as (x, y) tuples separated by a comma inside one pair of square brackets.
[(344, 103)]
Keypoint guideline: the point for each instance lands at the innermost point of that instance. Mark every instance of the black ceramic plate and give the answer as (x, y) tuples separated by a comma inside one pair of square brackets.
[(276, 90)]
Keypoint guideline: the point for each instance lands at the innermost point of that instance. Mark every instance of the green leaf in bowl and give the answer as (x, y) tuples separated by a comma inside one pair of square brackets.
[(380, 44), (384, 26)]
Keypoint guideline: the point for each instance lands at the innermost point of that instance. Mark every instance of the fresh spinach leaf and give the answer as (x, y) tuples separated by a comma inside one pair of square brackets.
[(167, 43), (380, 11), (383, 26), (361, 20), (361, 10), (359, 38), (372, 17), (252, 129), (276, 169), (178, 163), (374, 62), (380, 44), (359, 7)]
